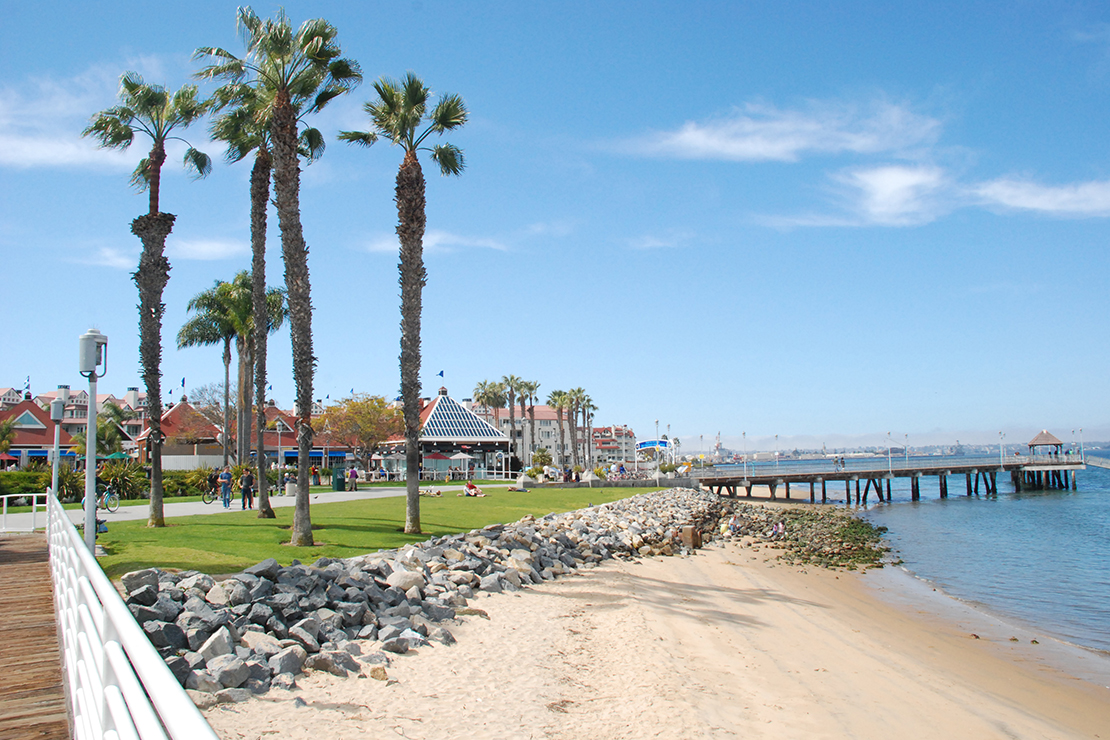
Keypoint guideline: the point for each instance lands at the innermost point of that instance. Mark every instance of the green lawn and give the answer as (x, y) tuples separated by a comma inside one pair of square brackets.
[(228, 541)]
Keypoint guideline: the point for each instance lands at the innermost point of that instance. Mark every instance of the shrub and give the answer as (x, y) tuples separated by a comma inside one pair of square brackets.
[(126, 478), (601, 472), (21, 481), (181, 483), (534, 472)]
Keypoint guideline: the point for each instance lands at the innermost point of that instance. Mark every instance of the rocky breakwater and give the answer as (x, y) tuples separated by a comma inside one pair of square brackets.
[(824, 536), (227, 640)]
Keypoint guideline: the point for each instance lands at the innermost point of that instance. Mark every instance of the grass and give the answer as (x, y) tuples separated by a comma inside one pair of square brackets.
[(227, 542)]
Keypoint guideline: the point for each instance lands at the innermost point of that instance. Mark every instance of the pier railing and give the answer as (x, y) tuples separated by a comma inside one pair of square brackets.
[(876, 466), (117, 684), (38, 512)]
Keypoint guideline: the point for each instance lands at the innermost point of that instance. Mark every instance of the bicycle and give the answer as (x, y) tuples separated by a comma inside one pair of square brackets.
[(106, 498), (208, 496)]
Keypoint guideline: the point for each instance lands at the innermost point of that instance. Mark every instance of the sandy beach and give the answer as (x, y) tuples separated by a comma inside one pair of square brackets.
[(726, 643)]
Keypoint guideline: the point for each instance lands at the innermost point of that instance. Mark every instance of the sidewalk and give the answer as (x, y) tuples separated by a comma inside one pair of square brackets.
[(22, 522)]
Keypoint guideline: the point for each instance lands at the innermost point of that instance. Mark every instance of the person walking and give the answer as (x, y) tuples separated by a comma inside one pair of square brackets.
[(354, 480), (246, 485), (225, 487)]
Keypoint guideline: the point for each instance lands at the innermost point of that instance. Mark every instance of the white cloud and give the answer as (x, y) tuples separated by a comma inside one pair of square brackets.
[(205, 249), (894, 195), (758, 132), (659, 241), (436, 241), (1079, 200), (119, 259)]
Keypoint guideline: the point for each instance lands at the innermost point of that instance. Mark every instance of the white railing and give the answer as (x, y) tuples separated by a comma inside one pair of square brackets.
[(38, 509), (117, 685)]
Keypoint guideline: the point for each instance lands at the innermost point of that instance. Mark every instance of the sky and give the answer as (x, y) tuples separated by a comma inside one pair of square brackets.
[(823, 221)]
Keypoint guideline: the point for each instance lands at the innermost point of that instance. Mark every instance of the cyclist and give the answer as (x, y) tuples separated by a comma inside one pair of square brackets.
[(214, 482)]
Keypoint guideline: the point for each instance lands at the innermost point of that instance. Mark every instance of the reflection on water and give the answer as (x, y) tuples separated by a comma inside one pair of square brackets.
[(1042, 556)]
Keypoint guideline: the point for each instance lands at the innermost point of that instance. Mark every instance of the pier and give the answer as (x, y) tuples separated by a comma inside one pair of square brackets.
[(864, 476)]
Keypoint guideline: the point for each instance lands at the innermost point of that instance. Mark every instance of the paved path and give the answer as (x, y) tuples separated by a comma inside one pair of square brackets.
[(22, 522)]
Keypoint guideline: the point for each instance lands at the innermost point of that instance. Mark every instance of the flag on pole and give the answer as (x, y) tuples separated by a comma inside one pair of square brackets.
[(440, 373), (183, 382)]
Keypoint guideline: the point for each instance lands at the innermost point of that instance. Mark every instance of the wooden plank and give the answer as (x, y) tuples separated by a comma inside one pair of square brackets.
[(32, 698)]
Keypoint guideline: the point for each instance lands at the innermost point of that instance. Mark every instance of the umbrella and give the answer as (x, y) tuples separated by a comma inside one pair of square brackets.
[(6, 457), (462, 456), (119, 456), (436, 456)]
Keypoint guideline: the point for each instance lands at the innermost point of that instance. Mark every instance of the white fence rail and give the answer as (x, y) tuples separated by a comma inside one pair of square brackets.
[(117, 685), (38, 512)]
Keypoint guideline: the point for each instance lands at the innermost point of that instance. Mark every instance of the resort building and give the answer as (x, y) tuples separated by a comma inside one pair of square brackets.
[(32, 434)]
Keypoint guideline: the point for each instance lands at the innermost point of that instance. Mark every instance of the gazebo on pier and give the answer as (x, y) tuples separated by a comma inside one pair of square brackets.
[(1051, 470), (1045, 439)]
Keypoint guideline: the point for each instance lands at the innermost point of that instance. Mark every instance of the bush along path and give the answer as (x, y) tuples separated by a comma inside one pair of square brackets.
[(258, 629)]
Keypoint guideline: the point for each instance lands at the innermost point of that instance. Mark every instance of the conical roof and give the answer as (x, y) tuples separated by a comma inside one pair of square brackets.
[(1044, 439)]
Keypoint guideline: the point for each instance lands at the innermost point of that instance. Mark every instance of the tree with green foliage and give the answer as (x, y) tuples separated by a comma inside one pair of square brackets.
[(7, 434), (222, 314), (297, 74), (512, 389), (559, 401), (491, 394), (153, 111), (398, 115), (362, 422)]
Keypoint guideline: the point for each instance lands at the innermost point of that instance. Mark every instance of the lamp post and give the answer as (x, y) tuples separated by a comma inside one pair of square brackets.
[(57, 413), (1082, 452), (889, 466), (1001, 447), (92, 353), (776, 453), (745, 435), (907, 451)]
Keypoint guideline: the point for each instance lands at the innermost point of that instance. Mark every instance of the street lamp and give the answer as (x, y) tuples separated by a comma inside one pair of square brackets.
[(776, 453), (745, 435), (907, 451), (1082, 452), (57, 413), (1001, 446), (889, 466), (92, 352)]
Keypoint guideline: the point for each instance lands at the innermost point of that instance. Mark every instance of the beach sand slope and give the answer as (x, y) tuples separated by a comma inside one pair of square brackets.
[(723, 644)]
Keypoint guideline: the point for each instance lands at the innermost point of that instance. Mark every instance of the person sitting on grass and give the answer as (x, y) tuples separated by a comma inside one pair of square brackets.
[(471, 490)]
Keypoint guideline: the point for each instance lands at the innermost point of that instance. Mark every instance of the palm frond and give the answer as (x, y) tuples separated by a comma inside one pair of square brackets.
[(198, 162), (110, 131), (450, 113), (365, 138), (311, 144), (140, 177), (449, 158)]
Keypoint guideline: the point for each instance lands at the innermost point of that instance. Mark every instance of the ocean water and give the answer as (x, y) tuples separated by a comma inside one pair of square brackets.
[(1042, 557)]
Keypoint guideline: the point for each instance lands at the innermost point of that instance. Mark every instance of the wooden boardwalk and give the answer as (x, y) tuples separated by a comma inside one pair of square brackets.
[(32, 697)]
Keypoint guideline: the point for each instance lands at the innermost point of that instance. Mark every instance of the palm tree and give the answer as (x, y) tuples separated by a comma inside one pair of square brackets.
[(558, 400), (153, 111), (512, 388), (491, 394), (297, 74), (224, 313), (7, 434), (533, 387), (523, 386), (245, 127), (398, 113), (575, 397), (587, 408)]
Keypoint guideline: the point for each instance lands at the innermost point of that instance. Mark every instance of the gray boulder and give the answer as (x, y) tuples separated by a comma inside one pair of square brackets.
[(325, 661), (233, 696), (136, 579), (165, 635), (285, 681), (268, 569), (290, 660), (219, 643), (307, 641), (202, 681), (145, 594), (202, 699), (229, 670)]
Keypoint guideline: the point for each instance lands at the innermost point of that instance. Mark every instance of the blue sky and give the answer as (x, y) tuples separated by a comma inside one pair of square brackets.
[(822, 221)]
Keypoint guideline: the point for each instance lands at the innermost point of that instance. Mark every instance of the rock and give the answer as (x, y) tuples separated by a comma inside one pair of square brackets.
[(200, 581), (232, 696), (179, 667), (325, 661), (218, 644), (268, 569), (304, 638), (397, 645), (229, 670), (491, 583), (145, 595), (403, 580), (309, 625), (378, 673), (414, 638), (257, 686), (286, 681), (202, 681), (261, 643), (202, 699), (289, 660), (167, 608), (136, 579), (165, 634), (442, 636)]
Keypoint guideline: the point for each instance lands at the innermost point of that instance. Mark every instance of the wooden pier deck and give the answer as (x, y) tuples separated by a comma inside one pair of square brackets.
[(32, 697), (873, 474)]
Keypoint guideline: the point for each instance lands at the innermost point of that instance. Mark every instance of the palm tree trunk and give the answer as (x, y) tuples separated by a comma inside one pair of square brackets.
[(410, 232), (260, 200), (532, 422), (227, 397), (151, 278), (512, 428), (572, 414), (287, 177), (562, 436)]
